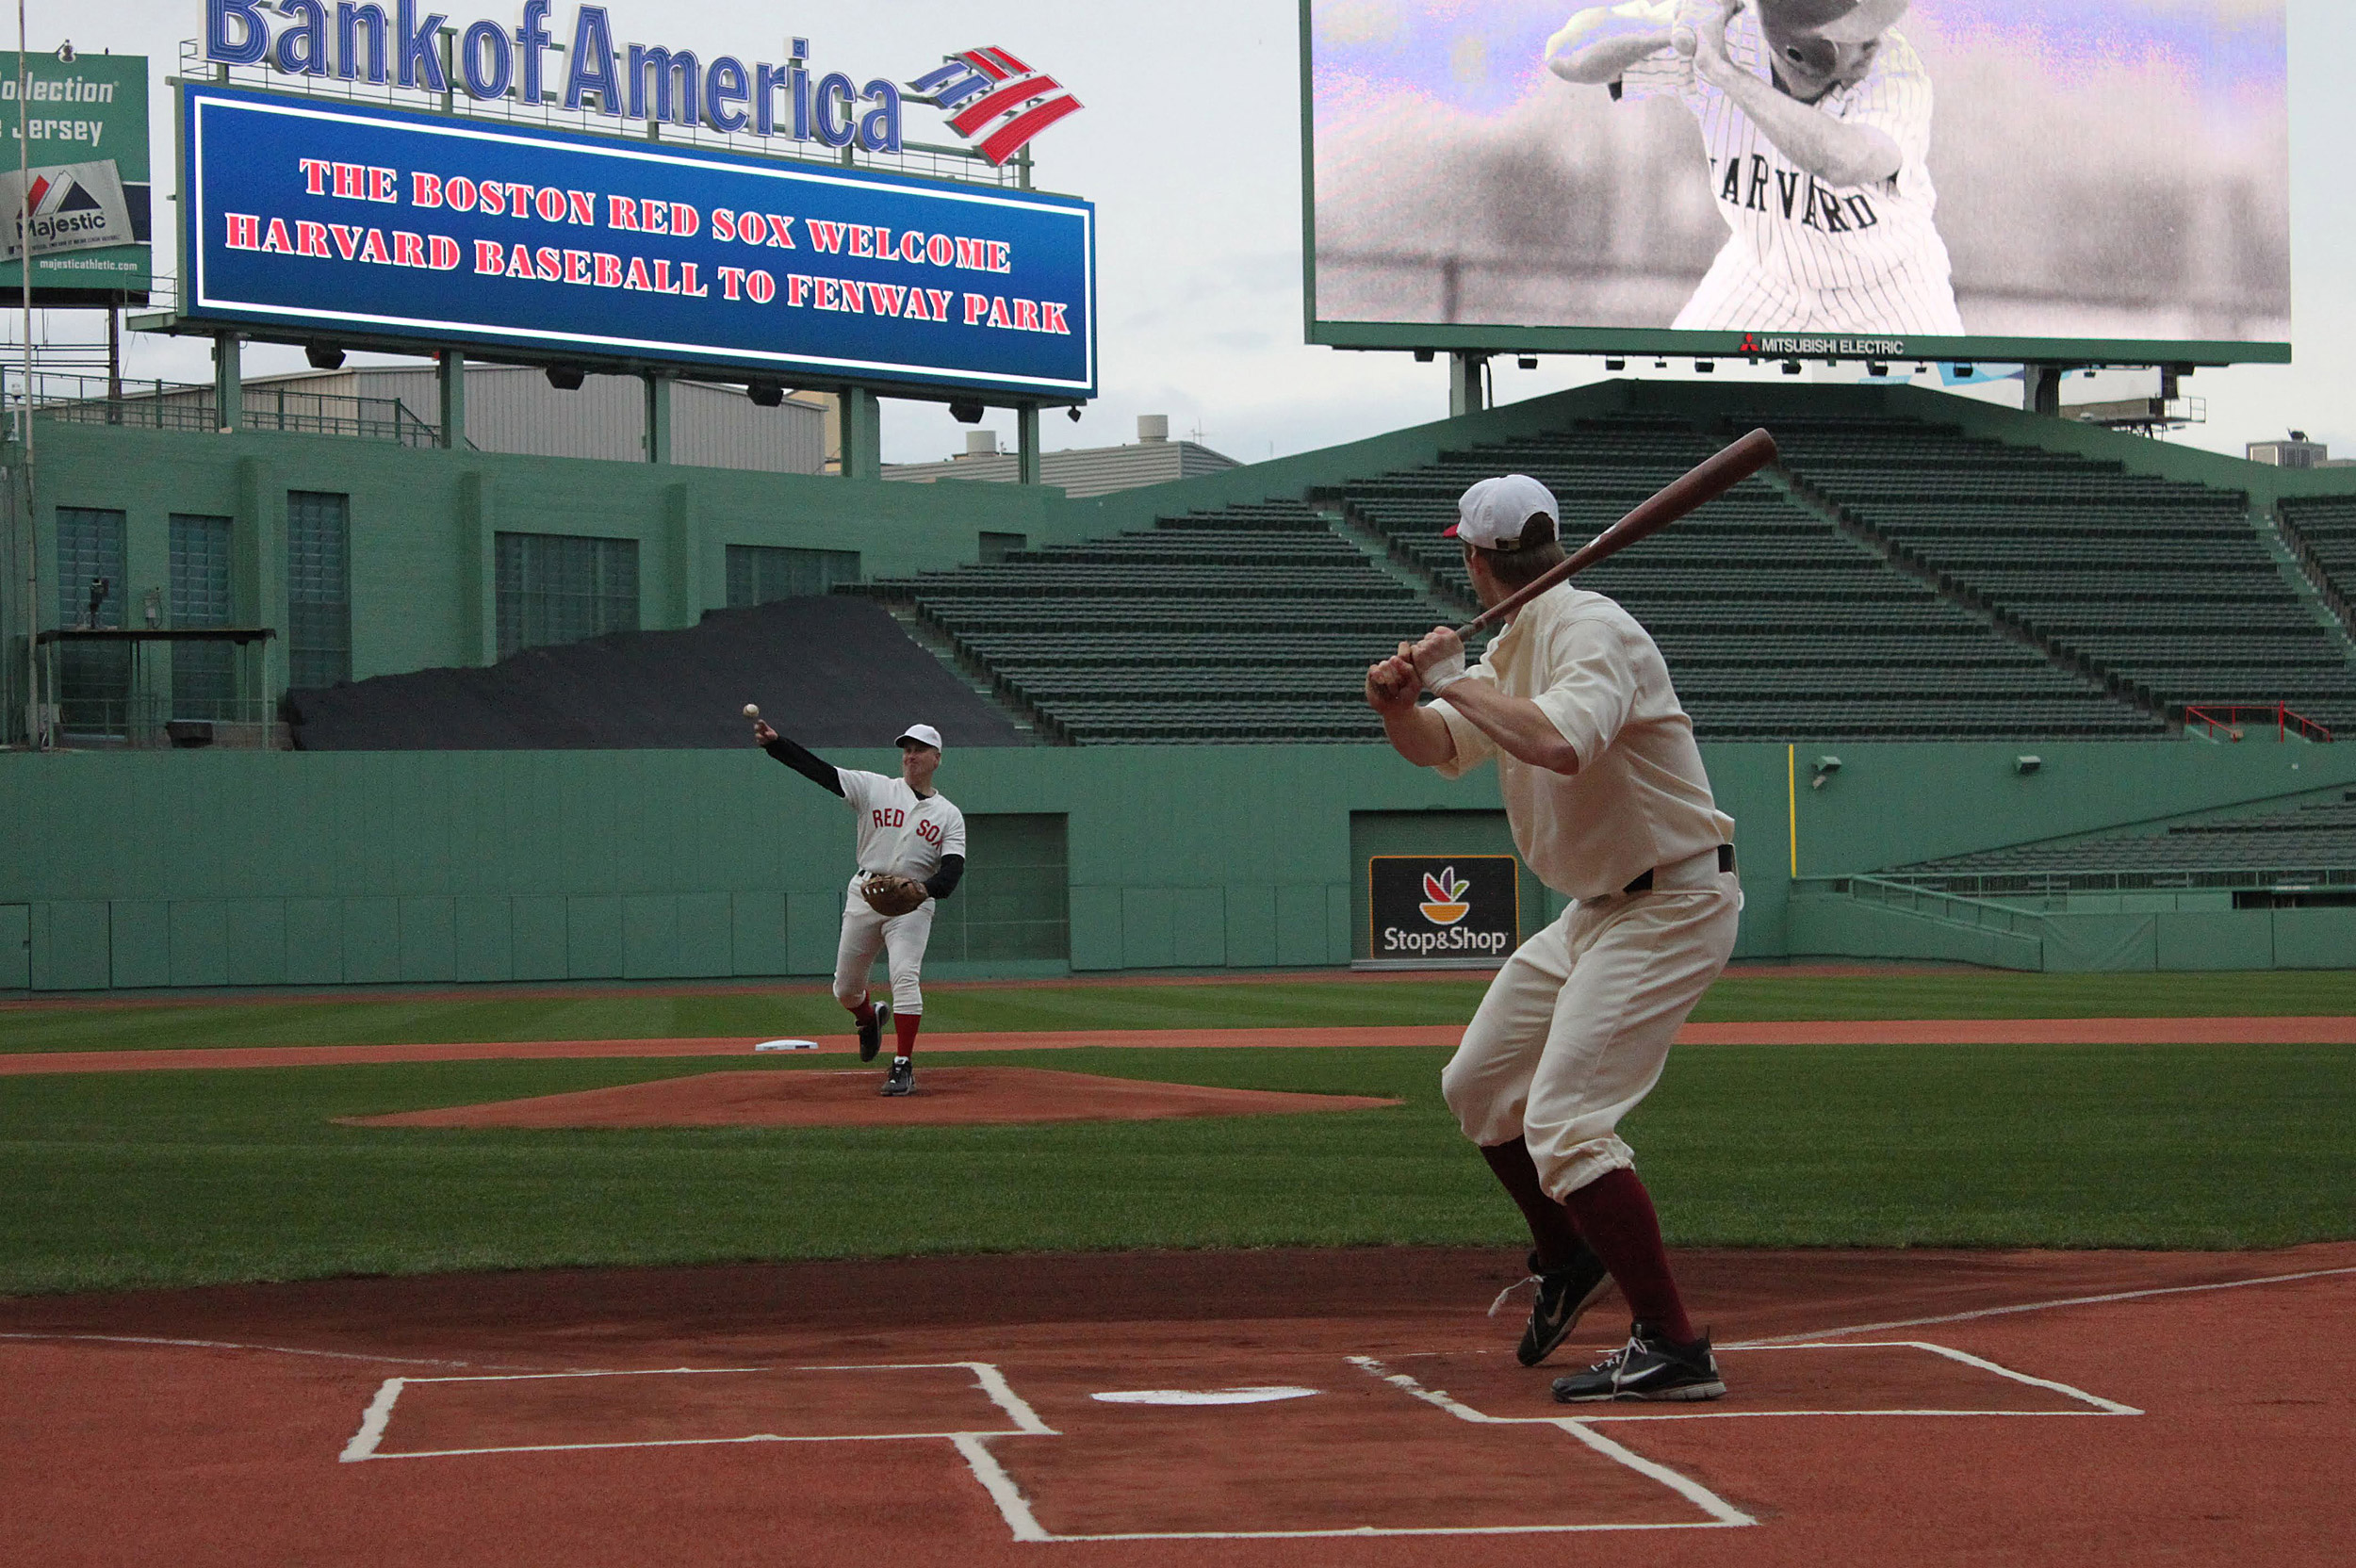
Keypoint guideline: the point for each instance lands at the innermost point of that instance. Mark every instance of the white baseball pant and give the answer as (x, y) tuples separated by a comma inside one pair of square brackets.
[(1737, 295), (901, 938), (1576, 1026)]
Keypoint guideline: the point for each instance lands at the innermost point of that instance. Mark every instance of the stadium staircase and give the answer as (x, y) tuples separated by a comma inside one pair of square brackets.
[(2320, 533)]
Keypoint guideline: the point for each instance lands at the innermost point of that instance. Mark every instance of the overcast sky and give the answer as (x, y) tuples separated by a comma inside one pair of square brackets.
[(1189, 145)]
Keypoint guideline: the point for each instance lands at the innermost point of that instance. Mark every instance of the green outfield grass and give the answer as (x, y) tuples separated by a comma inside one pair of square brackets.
[(112, 1180), (1760, 994)]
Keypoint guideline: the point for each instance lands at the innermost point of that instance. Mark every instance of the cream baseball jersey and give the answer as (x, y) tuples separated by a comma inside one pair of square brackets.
[(898, 832), (1640, 798), (1805, 256)]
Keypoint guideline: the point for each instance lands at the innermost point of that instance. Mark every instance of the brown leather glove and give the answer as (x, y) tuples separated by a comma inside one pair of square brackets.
[(888, 893)]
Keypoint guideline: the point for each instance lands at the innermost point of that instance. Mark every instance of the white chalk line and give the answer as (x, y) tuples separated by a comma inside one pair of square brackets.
[(366, 1443), (1722, 1513), (2031, 1306), (2095, 1404), (230, 1344)]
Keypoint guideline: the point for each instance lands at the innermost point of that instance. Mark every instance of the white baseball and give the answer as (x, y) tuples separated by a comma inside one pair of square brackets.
[(752, 709)]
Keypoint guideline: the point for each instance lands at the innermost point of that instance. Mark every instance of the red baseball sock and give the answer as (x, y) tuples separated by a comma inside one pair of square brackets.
[(905, 1025), (1551, 1231), (1616, 1214), (865, 1011)]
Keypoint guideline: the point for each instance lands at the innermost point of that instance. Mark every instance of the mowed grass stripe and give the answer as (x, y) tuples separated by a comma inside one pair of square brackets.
[(1747, 996), (111, 1181)]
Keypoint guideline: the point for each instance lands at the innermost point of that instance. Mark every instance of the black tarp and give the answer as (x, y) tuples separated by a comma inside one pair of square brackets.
[(828, 671)]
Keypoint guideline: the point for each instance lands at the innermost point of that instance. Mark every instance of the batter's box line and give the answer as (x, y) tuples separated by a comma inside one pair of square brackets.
[(365, 1444), (2095, 1404), (1723, 1514)]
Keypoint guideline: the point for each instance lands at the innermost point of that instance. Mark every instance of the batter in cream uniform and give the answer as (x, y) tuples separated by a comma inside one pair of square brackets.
[(1608, 803)]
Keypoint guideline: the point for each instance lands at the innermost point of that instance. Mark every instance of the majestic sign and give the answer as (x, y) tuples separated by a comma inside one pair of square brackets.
[(1442, 910), (357, 220), (83, 128), (629, 82)]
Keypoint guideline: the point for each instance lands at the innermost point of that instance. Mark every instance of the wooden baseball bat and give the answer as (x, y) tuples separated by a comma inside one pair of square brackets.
[(1706, 481)]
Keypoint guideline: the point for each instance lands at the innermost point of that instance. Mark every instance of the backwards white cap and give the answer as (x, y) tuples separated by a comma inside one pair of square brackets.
[(922, 732), (1491, 513)]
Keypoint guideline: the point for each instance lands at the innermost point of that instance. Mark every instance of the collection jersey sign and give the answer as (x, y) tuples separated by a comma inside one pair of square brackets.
[(1442, 910), (82, 126), (363, 222)]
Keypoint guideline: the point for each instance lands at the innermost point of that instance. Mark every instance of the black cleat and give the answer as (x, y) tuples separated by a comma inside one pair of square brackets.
[(902, 1078), (1647, 1368), (870, 1035), (1562, 1297)]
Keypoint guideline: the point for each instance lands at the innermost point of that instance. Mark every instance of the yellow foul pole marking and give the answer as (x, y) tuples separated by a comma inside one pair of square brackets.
[(1792, 803)]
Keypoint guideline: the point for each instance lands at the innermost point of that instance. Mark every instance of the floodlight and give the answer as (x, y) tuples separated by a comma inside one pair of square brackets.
[(1074, 412), (1616, 365), (65, 52), (1878, 370), (567, 378), (764, 394), (1705, 367), (324, 356), (1790, 367), (1527, 362), (966, 411), (1423, 357)]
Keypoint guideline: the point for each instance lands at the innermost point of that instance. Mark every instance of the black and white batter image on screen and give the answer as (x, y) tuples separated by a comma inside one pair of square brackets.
[(1945, 169)]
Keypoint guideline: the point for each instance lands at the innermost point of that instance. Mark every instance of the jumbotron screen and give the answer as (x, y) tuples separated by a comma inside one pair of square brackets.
[(2100, 182)]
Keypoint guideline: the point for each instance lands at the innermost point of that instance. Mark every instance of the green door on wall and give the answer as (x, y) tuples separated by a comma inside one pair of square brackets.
[(1015, 901), (16, 947), (1442, 833)]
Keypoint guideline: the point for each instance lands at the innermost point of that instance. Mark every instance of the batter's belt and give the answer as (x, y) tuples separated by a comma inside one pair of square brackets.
[(1691, 872)]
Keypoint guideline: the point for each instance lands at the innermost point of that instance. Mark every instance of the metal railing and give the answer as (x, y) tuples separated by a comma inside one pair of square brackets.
[(2054, 883), (1952, 908), (2229, 718), (148, 721), (185, 406)]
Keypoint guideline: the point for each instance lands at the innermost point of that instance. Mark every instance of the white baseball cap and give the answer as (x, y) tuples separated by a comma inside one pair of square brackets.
[(1492, 513), (924, 734)]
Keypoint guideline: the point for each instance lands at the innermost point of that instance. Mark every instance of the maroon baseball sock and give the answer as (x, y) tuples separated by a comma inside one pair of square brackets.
[(864, 1012), (1616, 1214), (905, 1025), (1550, 1228)]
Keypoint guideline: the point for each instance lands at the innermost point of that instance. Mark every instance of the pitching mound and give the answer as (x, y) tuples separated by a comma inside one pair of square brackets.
[(946, 1096)]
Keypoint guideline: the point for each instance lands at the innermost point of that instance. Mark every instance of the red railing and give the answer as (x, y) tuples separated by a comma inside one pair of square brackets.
[(2228, 717)]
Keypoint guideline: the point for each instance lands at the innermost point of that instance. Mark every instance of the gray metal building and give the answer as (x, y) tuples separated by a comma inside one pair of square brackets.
[(1081, 471)]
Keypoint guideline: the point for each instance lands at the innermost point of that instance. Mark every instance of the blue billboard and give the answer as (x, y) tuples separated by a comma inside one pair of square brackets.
[(312, 215)]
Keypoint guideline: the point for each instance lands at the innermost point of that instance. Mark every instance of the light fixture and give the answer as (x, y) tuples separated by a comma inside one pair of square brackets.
[(1790, 367), (1527, 362), (1703, 366), (1878, 370), (766, 394), (1823, 768), (966, 411), (324, 356), (2027, 764), (1073, 412), (1615, 363), (65, 52), (1423, 357), (1963, 372), (567, 378)]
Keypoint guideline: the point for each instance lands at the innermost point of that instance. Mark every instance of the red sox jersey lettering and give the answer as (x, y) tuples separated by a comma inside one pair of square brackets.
[(898, 832)]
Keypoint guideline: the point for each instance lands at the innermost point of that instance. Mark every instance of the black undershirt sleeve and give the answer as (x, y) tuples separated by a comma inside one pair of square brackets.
[(803, 762), (944, 882)]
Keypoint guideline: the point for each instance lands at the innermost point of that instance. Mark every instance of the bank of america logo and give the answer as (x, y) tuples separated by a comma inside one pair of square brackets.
[(993, 99)]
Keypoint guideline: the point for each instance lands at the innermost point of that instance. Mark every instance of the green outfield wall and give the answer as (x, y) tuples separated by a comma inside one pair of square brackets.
[(224, 868)]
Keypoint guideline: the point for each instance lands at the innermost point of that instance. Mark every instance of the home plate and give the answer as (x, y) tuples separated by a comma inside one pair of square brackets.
[(1203, 1395)]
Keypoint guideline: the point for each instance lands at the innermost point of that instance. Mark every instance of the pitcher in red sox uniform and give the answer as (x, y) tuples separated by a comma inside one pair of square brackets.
[(1816, 115), (906, 827), (1608, 803)]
